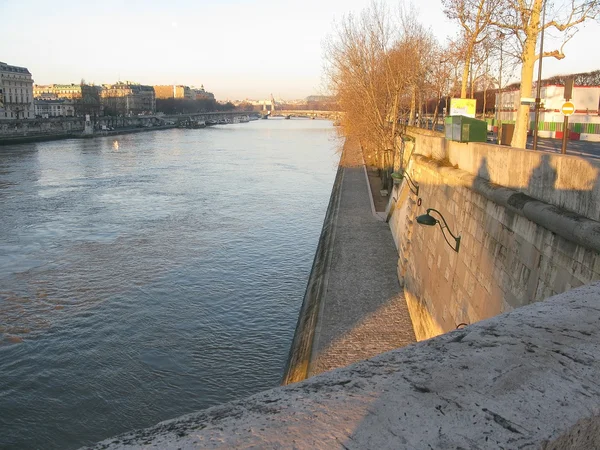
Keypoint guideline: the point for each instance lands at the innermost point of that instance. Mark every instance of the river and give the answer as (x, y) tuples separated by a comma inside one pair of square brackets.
[(147, 276)]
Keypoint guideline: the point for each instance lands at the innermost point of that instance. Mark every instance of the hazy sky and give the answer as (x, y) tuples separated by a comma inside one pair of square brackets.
[(237, 48)]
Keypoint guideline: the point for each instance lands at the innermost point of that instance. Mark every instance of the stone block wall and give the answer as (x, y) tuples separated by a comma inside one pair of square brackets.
[(11, 128), (514, 249)]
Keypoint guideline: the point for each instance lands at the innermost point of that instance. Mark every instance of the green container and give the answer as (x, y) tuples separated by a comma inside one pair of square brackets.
[(465, 129)]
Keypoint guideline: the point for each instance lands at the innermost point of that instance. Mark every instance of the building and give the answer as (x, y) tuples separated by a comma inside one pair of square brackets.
[(53, 91), (175, 91), (201, 94), (59, 107), (85, 97), (127, 99), (182, 92), (585, 120), (90, 102), (16, 93)]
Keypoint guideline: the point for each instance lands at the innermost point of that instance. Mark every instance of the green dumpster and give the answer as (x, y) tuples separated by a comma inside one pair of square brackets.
[(465, 129)]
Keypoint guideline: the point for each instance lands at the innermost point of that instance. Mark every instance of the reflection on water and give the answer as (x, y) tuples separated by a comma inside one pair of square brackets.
[(148, 277)]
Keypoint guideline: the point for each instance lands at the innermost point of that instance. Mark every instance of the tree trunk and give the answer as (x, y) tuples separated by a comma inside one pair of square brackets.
[(436, 112), (519, 139), (465, 75), (413, 101), (420, 119), (484, 97)]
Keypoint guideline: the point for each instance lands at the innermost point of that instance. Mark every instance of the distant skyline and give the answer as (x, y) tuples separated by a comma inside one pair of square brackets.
[(236, 48)]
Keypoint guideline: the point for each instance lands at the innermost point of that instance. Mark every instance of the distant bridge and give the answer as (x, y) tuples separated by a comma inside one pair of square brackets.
[(333, 115), (209, 116)]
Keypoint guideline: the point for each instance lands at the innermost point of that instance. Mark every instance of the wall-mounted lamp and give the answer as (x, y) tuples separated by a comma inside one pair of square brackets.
[(427, 219), (414, 187)]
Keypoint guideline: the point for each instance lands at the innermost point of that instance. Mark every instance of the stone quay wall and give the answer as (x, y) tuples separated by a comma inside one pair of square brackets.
[(528, 223), (66, 127)]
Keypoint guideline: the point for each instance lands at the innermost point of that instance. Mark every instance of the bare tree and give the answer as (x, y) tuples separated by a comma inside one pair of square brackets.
[(521, 20), (373, 66), (440, 78), (474, 17)]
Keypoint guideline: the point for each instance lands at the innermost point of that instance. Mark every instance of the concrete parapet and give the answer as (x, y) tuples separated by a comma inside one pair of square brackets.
[(571, 226), (567, 181), (526, 379)]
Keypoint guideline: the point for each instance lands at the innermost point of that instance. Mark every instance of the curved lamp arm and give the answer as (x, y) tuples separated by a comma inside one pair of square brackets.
[(414, 185), (456, 238)]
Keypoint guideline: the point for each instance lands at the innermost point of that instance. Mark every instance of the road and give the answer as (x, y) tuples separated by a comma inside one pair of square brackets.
[(579, 148)]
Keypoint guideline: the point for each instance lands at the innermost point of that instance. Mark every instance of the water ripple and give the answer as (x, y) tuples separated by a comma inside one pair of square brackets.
[(145, 283)]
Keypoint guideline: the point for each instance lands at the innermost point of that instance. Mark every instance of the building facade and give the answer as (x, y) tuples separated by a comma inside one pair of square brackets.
[(127, 99), (585, 120), (45, 108), (85, 97), (16, 93), (174, 91), (201, 94), (585, 98), (54, 91)]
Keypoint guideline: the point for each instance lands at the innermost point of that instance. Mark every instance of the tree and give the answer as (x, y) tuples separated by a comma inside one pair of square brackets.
[(439, 78), (474, 17), (521, 20), (375, 68), (356, 67)]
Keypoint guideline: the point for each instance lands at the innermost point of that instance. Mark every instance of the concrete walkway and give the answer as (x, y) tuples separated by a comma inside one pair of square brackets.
[(363, 312)]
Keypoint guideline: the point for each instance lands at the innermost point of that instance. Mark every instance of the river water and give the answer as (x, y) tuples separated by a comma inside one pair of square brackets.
[(150, 275)]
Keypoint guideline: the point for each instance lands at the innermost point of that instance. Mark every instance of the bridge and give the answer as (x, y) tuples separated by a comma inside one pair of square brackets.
[(310, 113)]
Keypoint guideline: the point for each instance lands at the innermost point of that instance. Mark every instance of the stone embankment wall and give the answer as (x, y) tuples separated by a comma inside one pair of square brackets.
[(528, 223), (74, 126), (14, 128), (68, 125)]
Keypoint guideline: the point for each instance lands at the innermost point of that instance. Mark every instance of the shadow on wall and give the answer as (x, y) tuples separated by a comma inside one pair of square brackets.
[(515, 249)]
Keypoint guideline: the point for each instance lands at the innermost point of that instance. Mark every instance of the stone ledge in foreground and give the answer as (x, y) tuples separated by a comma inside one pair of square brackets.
[(525, 379)]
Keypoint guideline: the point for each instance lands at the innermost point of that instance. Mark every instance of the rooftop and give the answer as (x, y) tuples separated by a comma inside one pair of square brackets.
[(8, 68)]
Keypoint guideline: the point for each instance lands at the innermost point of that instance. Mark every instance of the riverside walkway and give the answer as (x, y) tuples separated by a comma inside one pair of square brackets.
[(362, 312)]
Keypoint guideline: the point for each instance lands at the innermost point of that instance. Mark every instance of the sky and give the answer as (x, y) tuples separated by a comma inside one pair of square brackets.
[(237, 49)]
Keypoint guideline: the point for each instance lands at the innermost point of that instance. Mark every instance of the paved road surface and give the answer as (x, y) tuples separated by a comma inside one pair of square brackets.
[(580, 148)]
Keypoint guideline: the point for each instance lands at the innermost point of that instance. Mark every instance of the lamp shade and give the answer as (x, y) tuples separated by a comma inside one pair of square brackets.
[(426, 219)]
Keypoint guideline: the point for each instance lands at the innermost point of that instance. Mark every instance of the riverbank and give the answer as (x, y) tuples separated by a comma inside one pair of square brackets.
[(353, 308), (77, 135), (38, 130)]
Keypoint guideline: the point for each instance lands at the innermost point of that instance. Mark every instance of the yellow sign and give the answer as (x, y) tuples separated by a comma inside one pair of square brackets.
[(568, 108), (463, 107)]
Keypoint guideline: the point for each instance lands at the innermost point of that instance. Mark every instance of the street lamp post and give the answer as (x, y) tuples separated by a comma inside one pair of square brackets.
[(499, 104), (538, 99)]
